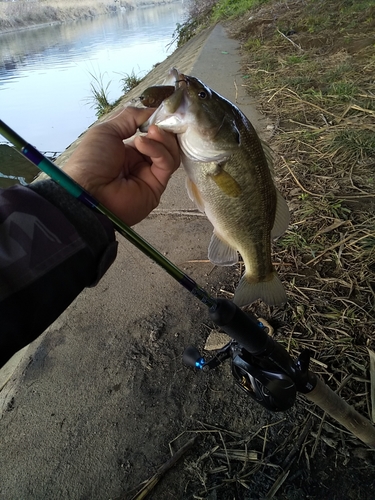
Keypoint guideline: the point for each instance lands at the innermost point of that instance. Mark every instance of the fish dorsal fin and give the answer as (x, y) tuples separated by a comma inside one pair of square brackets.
[(226, 183), (268, 154), (282, 217), (194, 194), (220, 253)]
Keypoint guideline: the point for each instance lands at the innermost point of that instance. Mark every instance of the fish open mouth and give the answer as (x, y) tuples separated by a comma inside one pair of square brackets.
[(179, 79)]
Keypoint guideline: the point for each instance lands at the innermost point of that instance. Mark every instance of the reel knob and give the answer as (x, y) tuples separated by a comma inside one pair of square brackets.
[(192, 357)]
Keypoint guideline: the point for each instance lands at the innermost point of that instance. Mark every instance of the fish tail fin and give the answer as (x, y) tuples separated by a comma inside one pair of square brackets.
[(271, 291)]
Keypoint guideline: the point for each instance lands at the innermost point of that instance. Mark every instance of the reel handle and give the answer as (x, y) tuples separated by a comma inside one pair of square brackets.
[(192, 357)]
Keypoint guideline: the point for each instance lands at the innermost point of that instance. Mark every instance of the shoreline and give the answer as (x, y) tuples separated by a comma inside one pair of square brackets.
[(132, 5), (34, 26)]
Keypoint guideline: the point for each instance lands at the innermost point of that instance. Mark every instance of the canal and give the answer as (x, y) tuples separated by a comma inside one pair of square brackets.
[(46, 73)]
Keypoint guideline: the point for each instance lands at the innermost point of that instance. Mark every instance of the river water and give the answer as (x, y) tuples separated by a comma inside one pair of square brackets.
[(46, 72)]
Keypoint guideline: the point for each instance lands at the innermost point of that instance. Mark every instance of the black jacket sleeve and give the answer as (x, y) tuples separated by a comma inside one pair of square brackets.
[(51, 247)]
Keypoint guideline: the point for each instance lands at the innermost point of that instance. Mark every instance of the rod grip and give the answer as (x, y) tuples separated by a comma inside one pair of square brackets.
[(347, 416), (240, 326)]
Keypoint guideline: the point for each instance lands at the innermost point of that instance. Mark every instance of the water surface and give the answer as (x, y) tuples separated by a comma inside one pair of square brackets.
[(45, 72)]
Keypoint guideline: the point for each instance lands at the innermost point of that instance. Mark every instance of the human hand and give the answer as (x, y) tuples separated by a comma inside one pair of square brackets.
[(128, 179)]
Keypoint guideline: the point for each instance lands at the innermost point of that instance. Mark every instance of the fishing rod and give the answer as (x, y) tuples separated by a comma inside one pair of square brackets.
[(261, 366)]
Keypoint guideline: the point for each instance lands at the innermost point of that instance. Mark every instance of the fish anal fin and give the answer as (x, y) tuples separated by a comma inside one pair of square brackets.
[(226, 183), (220, 253), (282, 217), (194, 194), (271, 291)]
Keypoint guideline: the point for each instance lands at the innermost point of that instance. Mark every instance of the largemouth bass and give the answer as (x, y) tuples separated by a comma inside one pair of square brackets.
[(229, 177)]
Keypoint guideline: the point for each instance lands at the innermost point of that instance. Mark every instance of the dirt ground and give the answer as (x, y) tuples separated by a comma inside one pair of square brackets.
[(242, 450), (147, 404)]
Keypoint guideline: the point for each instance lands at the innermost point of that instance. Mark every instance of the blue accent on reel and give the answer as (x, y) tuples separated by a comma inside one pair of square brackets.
[(200, 363)]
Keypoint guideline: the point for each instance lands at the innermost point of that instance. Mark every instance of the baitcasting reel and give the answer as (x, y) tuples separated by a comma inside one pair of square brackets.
[(269, 384)]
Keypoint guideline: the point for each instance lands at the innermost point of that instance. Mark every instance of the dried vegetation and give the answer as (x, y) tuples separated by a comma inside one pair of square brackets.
[(311, 65), (313, 75)]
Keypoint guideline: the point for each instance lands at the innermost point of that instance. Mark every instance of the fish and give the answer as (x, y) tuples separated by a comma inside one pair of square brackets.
[(229, 178)]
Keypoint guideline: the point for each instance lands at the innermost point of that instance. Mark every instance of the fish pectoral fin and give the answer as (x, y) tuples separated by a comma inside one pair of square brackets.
[(226, 183), (194, 194), (282, 217), (220, 253), (271, 291)]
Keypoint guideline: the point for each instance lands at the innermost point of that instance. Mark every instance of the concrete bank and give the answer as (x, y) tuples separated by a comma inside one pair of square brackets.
[(74, 403)]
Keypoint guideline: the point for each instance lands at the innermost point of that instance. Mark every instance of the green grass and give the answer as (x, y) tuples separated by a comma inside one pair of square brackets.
[(292, 239), (343, 90), (99, 92), (225, 9), (130, 81), (348, 14), (338, 72), (99, 98), (202, 13), (184, 32), (355, 144), (296, 59)]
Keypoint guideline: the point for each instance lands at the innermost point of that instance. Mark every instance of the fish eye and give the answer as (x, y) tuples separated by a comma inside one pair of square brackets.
[(202, 94)]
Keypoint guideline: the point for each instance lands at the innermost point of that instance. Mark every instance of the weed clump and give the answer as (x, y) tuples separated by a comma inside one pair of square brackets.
[(99, 92), (130, 81), (99, 96)]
